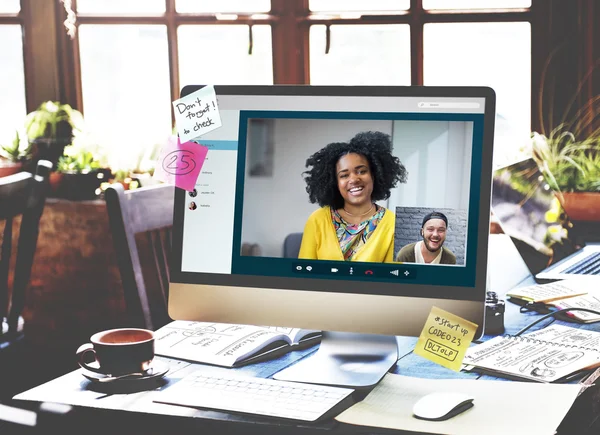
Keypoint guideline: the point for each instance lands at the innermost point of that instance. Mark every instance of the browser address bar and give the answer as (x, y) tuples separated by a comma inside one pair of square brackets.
[(436, 105)]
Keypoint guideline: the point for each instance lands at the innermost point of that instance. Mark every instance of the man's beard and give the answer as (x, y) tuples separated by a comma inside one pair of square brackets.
[(426, 243)]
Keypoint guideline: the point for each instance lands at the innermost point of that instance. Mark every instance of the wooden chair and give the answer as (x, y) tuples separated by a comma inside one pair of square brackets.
[(22, 194), (145, 212)]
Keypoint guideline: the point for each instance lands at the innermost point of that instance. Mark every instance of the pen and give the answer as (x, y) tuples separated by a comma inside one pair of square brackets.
[(583, 373)]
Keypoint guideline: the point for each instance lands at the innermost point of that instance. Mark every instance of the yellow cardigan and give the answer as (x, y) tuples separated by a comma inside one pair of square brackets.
[(320, 242)]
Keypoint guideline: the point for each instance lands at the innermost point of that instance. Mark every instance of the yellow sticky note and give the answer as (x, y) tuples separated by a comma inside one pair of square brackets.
[(445, 338)]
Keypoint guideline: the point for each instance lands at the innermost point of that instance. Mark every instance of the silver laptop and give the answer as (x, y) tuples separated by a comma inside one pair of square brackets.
[(521, 200)]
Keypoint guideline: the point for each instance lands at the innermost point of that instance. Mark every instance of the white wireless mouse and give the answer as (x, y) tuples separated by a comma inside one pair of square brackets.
[(442, 405)]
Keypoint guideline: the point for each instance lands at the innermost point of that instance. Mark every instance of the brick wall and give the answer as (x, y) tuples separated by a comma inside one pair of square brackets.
[(408, 226)]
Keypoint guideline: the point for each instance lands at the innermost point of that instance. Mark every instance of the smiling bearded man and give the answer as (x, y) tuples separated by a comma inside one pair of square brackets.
[(430, 250)]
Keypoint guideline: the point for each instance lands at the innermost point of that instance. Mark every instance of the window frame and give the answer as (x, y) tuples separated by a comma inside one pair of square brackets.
[(290, 22), (12, 18), (416, 17), (172, 20), (20, 19)]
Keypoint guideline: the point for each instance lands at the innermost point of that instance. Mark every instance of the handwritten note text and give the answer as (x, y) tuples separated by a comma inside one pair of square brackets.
[(445, 338), (197, 113), (180, 163)]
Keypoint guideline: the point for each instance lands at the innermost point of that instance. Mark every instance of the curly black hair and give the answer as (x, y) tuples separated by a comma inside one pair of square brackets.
[(386, 169)]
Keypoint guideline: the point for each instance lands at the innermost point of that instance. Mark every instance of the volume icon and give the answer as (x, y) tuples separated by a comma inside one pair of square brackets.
[(395, 272)]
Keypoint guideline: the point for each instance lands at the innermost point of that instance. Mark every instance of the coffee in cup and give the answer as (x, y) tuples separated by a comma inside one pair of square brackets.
[(119, 351)]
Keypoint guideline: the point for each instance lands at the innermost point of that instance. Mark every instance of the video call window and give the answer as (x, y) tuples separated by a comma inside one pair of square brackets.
[(342, 196), (385, 191), (430, 235)]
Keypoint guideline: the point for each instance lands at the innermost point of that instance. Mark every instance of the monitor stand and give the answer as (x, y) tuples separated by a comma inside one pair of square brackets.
[(345, 359)]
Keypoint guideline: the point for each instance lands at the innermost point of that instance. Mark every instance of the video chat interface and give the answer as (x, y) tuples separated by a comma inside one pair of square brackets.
[(250, 201)]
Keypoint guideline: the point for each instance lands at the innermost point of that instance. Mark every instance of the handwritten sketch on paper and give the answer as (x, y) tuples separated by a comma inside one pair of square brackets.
[(225, 344), (547, 355)]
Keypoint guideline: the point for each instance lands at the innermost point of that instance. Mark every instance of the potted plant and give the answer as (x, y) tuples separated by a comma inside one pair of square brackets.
[(571, 167), (125, 178), (13, 156), (78, 174), (145, 165), (569, 155), (50, 128)]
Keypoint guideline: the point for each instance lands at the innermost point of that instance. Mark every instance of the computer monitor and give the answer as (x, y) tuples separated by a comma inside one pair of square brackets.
[(251, 253)]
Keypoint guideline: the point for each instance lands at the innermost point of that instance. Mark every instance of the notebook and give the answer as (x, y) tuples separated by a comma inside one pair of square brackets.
[(228, 345), (554, 291), (568, 293), (553, 354), (520, 200)]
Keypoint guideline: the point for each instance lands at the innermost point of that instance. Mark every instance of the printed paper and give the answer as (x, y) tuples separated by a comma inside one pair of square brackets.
[(445, 338), (548, 355), (197, 114)]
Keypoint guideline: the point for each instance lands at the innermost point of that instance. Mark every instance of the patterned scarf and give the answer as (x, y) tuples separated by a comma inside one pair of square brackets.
[(352, 237)]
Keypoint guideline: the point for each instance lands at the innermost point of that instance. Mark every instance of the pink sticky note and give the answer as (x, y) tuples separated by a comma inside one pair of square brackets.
[(180, 163)]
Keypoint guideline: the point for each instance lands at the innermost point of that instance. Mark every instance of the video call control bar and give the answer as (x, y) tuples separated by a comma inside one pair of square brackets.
[(362, 270)]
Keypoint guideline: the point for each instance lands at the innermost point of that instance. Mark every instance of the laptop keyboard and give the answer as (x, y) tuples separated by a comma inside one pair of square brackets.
[(590, 265), (241, 393)]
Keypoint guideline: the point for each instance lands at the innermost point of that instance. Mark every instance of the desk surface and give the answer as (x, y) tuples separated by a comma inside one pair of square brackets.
[(104, 408), (102, 411)]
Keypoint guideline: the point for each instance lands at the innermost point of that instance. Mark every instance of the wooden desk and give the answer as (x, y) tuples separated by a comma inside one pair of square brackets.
[(75, 290), (133, 413), (113, 413)]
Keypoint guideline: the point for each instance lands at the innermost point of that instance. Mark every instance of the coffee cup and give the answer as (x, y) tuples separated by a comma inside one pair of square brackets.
[(119, 351)]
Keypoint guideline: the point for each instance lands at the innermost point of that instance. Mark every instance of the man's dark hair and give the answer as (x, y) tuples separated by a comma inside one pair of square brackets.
[(386, 169), (434, 215)]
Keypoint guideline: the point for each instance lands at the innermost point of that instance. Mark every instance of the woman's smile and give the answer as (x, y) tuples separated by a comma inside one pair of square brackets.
[(355, 181), (356, 191)]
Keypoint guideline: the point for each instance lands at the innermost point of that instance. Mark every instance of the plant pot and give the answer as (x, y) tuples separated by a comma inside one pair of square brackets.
[(9, 168), (145, 179), (56, 179), (581, 206), (48, 149), (76, 186)]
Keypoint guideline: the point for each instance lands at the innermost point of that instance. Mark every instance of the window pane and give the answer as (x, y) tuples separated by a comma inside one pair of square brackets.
[(358, 5), (12, 80), (126, 91), (118, 7), (360, 55), (10, 6), (206, 62), (486, 54), (214, 6), (475, 4)]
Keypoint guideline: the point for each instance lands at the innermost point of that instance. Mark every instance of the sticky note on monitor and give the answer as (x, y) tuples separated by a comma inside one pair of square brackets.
[(180, 163), (197, 113), (445, 338)]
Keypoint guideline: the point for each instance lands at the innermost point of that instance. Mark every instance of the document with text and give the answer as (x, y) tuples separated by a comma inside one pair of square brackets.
[(228, 345), (548, 355)]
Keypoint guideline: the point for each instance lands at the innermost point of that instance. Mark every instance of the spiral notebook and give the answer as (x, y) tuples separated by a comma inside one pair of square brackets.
[(552, 354), (568, 293)]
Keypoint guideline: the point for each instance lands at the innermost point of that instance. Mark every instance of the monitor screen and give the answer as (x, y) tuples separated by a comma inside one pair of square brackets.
[(337, 208)]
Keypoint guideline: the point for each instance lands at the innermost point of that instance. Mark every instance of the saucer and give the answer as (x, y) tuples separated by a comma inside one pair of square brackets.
[(157, 370)]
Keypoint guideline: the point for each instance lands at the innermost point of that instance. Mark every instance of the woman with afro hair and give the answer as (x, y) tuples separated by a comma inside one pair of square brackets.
[(345, 179)]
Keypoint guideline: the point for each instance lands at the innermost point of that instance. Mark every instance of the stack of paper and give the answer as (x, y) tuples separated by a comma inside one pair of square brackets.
[(500, 408)]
